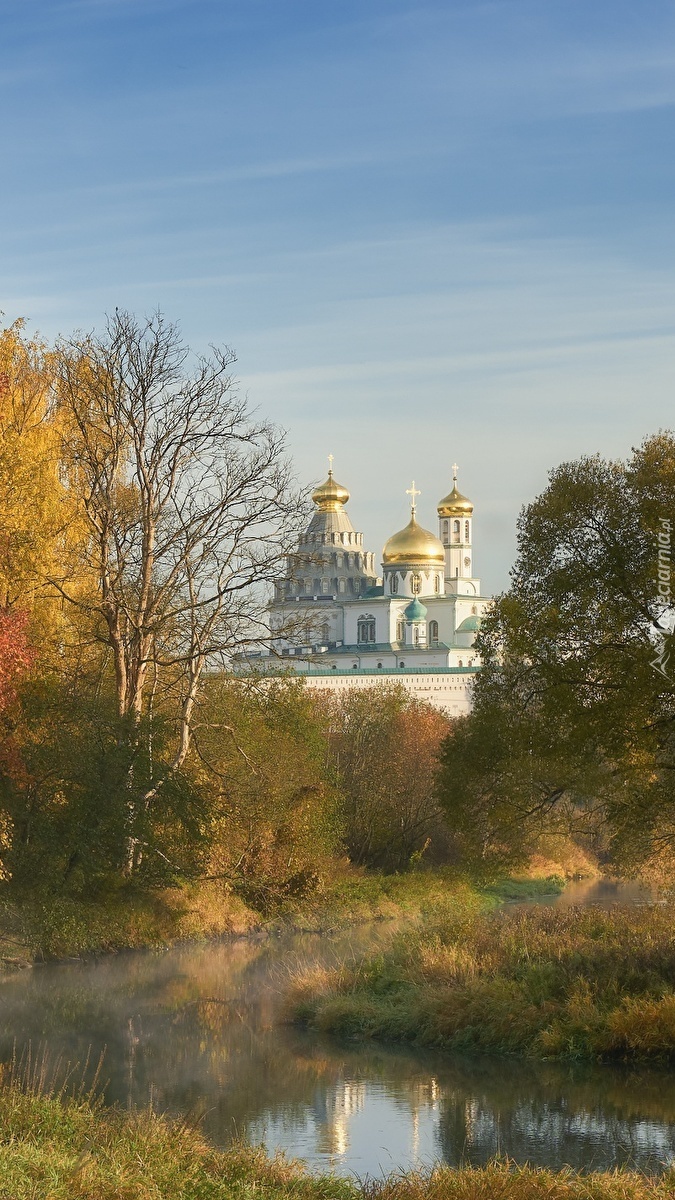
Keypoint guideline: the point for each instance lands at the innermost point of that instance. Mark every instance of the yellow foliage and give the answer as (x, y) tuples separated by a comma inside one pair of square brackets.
[(38, 528)]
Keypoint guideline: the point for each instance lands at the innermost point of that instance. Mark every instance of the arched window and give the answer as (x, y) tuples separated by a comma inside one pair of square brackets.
[(445, 531), (455, 531), (401, 664), (416, 584), (366, 630), (325, 632), (379, 664), (466, 532), (433, 633), (393, 584), (437, 584), (460, 664), (474, 610), (400, 631)]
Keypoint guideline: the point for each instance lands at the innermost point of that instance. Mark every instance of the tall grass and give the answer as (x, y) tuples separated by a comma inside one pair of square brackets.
[(579, 983), (66, 1148)]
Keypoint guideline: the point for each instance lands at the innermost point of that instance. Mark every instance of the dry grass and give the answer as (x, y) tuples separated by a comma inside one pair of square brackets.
[(576, 983), (58, 1148)]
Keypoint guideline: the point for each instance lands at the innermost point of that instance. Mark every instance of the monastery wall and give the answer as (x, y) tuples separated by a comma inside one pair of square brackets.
[(450, 690)]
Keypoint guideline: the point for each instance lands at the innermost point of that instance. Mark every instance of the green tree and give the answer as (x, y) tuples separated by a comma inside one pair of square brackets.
[(574, 717), (273, 826)]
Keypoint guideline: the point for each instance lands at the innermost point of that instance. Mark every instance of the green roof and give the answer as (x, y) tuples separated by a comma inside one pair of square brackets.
[(415, 611), (469, 624)]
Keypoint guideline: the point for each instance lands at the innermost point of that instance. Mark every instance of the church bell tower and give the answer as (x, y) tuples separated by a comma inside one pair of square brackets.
[(455, 517)]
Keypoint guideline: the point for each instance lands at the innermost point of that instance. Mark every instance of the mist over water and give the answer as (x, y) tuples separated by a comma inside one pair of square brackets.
[(195, 1030)]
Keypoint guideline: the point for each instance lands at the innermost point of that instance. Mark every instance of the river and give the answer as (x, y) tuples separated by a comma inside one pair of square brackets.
[(194, 1030)]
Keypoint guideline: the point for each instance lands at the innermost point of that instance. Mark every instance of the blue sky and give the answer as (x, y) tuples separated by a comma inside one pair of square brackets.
[(431, 231)]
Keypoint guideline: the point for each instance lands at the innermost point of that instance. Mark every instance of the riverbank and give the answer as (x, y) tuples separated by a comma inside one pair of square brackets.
[(41, 927), (53, 1149), (578, 984)]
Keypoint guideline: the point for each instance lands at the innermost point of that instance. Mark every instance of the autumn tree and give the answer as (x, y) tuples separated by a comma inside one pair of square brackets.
[(383, 759), (190, 507), (574, 716), (273, 828), (35, 514)]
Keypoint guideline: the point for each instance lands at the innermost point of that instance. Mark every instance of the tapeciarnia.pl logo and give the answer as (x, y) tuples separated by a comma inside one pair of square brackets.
[(663, 623)]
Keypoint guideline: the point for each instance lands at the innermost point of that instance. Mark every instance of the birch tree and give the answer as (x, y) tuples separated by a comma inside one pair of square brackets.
[(190, 507)]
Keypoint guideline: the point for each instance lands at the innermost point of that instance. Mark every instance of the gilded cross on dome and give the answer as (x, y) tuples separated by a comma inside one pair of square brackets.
[(454, 472), (330, 464), (413, 493)]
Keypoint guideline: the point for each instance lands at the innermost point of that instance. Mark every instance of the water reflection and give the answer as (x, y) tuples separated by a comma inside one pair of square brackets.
[(195, 1031), (603, 892)]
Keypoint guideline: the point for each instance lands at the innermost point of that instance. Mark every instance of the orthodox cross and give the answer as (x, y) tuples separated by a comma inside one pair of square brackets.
[(330, 464), (413, 493), (454, 472)]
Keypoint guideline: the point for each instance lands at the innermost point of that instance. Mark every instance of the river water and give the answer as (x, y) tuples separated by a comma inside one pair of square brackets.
[(195, 1030)]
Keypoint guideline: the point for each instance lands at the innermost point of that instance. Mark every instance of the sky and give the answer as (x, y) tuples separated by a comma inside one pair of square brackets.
[(432, 231)]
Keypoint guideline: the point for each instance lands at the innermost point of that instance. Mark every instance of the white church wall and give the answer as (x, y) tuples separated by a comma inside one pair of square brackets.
[(450, 692)]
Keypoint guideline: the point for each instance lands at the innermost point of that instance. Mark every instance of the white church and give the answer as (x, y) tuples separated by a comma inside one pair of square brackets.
[(341, 626)]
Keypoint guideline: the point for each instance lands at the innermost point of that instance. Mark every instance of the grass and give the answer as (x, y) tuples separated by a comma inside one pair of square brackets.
[(578, 984), (39, 926), (42, 926), (527, 887), (58, 1148)]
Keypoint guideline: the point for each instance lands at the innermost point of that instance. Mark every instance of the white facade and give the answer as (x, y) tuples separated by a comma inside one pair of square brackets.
[(341, 626)]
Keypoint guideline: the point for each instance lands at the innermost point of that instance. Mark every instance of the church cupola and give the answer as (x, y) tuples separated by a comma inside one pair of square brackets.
[(330, 496), (413, 559), (415, 617)]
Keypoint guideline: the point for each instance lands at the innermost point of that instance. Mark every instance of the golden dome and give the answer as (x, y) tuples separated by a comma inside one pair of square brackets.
[(413, 545), (330, 496), (455, 504)]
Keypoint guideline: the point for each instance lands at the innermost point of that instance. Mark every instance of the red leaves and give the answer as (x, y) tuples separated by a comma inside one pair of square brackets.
[(16, 653)]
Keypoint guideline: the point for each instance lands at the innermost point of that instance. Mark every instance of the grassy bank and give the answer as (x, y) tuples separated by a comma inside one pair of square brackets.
[(579, 983), (53, 1149), (41, 926)]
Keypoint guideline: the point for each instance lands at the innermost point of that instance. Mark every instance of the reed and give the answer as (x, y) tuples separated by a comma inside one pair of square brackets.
[(578, 983)]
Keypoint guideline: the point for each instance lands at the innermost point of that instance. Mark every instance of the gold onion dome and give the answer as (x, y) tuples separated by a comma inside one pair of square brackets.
[(413, 545), (330, 496), (455, 504)]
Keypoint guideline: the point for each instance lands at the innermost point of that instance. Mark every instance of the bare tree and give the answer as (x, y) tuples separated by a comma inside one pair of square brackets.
[(190, 507)]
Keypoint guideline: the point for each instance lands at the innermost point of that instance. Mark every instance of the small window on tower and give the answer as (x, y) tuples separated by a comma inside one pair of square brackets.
[(400, 631), (466, 532), (393, 584), (437, 584), (416, 584), (433, 633), (445, 531), (456, 525)]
